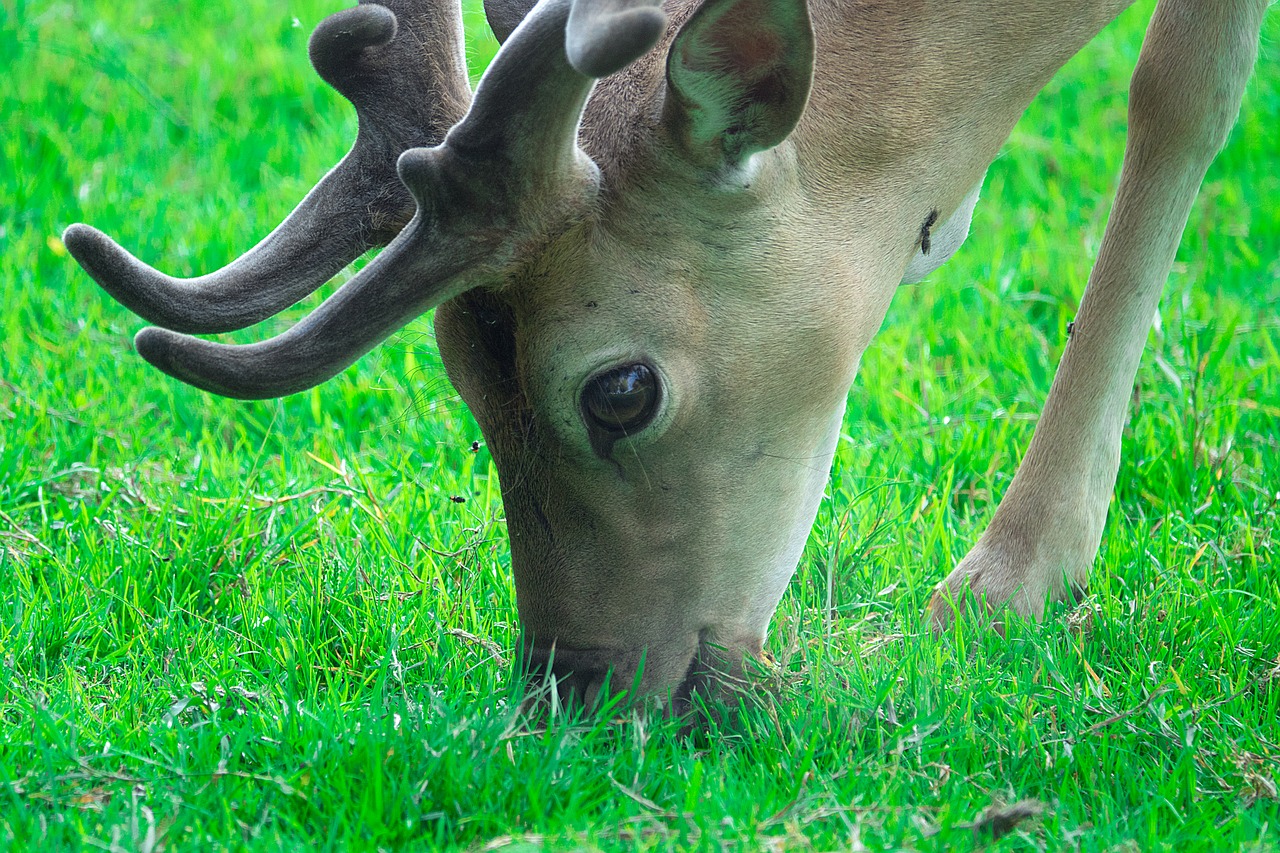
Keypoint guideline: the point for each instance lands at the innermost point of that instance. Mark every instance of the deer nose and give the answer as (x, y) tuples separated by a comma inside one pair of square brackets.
[(576, 677)]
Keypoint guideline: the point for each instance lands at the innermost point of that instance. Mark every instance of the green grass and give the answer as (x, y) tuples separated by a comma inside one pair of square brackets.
[(269, 626)]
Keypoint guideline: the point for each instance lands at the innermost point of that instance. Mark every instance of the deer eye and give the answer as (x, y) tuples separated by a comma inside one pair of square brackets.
[(622, 400)]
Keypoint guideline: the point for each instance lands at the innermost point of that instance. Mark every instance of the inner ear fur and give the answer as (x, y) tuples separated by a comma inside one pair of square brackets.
[(738, 78)]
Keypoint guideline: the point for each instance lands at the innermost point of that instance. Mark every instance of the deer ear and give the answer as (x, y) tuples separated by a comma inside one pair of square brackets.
[(738, 78)]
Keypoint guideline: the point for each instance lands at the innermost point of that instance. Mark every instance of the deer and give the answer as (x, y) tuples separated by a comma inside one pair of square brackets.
[(657, 239)]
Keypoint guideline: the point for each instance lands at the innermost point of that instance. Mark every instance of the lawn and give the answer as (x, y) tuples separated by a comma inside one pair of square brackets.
[(289, 624)]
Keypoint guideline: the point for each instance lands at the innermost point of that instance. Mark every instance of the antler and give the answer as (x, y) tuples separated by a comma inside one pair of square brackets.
[(509, 173), (602, 32), (374, 56)]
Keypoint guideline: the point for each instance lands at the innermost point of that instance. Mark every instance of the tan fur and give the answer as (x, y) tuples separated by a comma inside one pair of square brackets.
[(756, 305)]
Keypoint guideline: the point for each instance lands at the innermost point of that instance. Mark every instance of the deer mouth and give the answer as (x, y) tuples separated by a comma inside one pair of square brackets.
[(560, 676)]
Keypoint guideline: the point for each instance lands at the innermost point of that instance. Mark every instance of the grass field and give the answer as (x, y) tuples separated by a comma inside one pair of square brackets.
[(271, 626)]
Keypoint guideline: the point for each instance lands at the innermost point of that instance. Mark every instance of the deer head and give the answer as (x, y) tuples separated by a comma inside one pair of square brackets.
[(637, 296)]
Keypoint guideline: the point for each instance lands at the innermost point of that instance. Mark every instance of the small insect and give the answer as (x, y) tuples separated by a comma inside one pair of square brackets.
[(929, 222), (475, 447), (1071, 327), (458, 499)]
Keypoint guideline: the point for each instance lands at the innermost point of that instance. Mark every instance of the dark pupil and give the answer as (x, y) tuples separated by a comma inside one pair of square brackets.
[(623, 399)]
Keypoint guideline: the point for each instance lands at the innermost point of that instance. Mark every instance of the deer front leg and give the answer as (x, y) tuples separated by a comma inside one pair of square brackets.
[(1183, 99)]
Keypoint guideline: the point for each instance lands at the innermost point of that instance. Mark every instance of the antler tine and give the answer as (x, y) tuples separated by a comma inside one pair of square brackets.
[(602, 33), (379, 300), (509, 173), (374, 55)]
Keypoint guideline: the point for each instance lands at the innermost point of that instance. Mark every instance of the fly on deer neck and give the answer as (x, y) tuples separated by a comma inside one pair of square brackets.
[(929, 222)]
